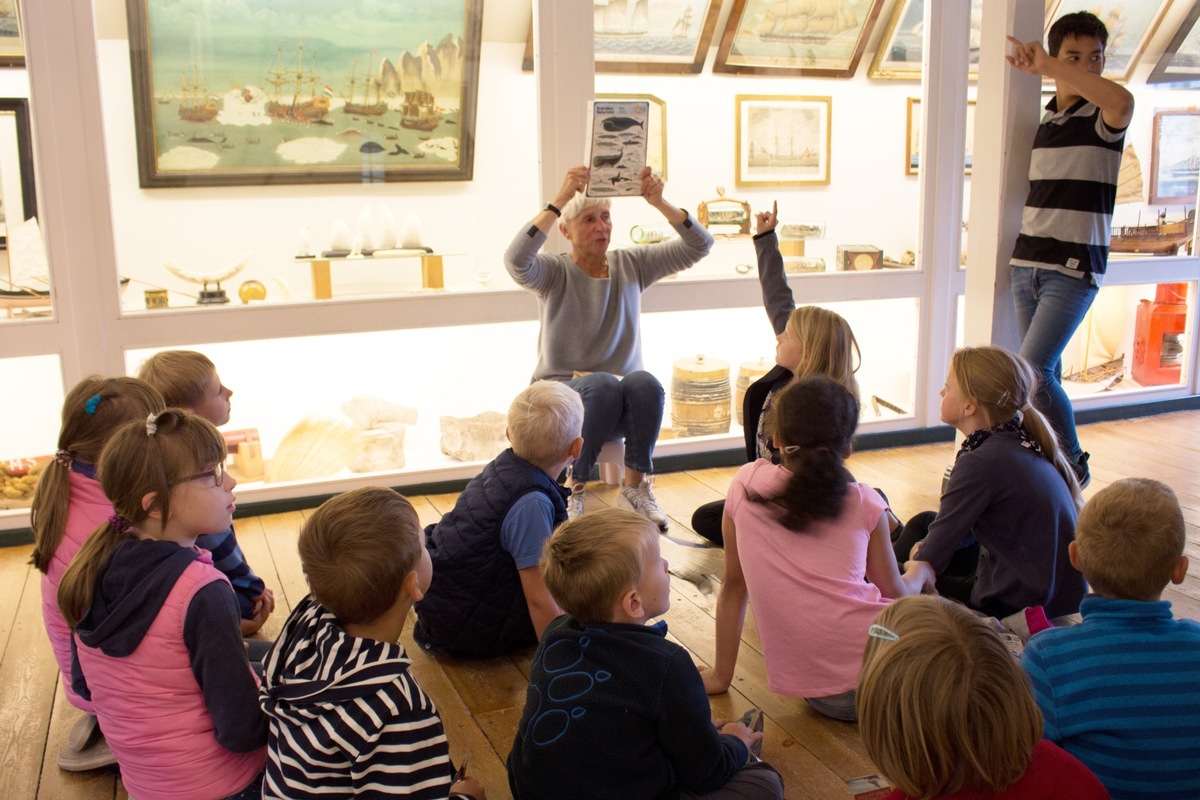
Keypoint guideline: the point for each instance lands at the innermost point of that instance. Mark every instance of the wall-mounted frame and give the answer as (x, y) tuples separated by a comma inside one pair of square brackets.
[(635, 36), (768, 37), (18, 191), (12, 45), (349, 95), (1180, 62), (656, 130), (783, 140), (901, 48), (1131, 25), (912, 139), (1175, 157)]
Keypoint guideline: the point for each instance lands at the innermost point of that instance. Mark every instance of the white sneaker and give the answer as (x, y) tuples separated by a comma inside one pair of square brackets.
[(640, 499), (575, 502)]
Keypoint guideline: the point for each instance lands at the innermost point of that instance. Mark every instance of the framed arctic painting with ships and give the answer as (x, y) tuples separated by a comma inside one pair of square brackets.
[(304, 91)]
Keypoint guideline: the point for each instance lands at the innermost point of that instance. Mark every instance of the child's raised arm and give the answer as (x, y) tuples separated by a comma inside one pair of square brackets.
[(731, 615)]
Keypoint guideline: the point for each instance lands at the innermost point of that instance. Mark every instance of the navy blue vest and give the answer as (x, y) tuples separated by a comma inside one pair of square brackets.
[(475, 605)]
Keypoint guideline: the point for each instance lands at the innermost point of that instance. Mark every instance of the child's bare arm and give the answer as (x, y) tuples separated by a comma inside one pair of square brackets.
[(881, 563), (731, 615), (542, 608)]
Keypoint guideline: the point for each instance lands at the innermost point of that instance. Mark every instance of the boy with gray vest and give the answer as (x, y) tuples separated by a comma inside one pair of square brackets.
[(487, 595)]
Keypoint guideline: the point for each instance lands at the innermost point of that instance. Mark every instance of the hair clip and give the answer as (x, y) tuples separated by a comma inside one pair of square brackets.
[(152, 424), (89, 407), (119, 523), (63, 458), (880, 632), (791, 448)]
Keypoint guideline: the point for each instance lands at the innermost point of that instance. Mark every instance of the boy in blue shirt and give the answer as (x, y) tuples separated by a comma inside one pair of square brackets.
[(1120, 691), (487, 595)]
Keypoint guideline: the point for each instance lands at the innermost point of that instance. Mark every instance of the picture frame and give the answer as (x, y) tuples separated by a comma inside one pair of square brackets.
[(783, 140), (1131, 25), (1180, 62), (674, 42), (346, 96), (18, 188), (912, 138), (12, 42), (656, 129), (827, 43), (899, 54), (1175, 157)]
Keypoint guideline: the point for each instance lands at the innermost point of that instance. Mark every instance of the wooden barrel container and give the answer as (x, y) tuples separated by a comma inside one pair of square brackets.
[(748, 373), (700, 396)]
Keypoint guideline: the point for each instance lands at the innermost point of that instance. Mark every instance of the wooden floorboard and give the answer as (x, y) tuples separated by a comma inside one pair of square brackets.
[(481, 700)]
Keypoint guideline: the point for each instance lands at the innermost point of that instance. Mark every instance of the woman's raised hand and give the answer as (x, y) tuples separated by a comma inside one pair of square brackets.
[(767, 220), (575, 181), (652, 187)]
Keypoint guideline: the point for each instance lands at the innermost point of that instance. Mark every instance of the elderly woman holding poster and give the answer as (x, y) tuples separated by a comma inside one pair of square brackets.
[(589, 304)]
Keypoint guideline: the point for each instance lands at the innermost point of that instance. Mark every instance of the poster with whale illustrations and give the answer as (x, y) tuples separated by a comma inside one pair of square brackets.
[(617, 147)]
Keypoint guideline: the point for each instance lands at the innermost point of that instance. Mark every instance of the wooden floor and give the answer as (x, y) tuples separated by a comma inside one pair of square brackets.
[(480, 701)]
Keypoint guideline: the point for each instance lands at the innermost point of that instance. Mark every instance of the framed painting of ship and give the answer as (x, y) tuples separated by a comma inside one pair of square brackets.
[(817, 38), (18, 195), (304, 91), (12, 46), (902, 46), (1131, 25), (1180, 62), (648, 36), (783, 140), (912, 141), (656, 129), (1175, 157)]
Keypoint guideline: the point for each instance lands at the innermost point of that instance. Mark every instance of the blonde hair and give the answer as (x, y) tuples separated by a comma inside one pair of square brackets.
[(828, 345), (142, 457), (91, 412), (590, 561), (581, 203), (943, 707), (1002, 384), (356, 551), (1129, 537), (543, 421), (181, 375)]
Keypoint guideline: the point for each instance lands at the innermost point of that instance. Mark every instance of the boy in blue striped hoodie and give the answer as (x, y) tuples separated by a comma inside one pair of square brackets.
[(1121, 691)]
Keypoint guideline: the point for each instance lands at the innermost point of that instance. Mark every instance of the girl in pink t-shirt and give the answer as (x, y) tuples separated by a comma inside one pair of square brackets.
[(802, 540)]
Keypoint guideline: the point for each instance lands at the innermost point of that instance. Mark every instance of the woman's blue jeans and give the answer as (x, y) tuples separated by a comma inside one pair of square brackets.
[(1049, 307), (630, 407)]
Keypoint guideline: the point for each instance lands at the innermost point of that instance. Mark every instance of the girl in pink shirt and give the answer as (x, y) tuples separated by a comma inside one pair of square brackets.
[(802, 540), (68, 505)]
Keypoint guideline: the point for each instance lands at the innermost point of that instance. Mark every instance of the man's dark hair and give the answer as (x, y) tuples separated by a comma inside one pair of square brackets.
[(1077, 25)]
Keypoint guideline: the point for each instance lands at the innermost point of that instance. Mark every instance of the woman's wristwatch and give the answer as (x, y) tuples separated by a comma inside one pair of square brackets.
[(553, 209)]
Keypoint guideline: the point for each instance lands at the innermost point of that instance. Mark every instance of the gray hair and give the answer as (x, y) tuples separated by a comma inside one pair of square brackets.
[(581, 203), (543, 420)]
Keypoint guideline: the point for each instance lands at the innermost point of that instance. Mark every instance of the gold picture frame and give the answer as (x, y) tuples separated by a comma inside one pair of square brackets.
[(783, 140), (656, 129), (1131, 25), (896, 58), (12, 42), (912, 138), (759, 41)]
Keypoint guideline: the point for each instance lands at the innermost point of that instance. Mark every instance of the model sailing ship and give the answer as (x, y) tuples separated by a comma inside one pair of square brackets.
[(805, 21), (1160, 239), (621, 19), (306, 104)]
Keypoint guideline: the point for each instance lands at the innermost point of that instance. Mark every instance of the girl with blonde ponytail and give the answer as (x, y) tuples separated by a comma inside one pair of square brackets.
[(1012, 497)]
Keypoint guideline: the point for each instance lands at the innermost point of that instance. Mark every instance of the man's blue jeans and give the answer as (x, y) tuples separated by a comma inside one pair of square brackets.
[(1049, 307), (613, 407)]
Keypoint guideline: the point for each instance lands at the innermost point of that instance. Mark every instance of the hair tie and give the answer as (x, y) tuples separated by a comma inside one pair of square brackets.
[(880, 632), (89, 407), (119, 523), (152, 424), (63, 458)]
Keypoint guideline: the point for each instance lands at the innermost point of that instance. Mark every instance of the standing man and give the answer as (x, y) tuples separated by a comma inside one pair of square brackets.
[(1062, 250)]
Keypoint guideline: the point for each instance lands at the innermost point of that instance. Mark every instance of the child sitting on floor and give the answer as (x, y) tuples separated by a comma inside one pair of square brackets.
[(157, 647), (1119, 691), (487, 595), (347, 716), (945, 712), (799, 537), (188, 379), (68, 507), (614, 709)]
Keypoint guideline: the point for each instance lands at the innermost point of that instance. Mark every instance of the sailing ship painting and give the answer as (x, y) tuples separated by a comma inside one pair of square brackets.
[(783, 140), (622, 19), (818, 37), (650, 30), (805, 21), (359, 96)]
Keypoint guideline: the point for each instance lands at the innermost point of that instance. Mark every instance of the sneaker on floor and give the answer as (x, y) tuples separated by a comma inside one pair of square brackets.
[(95, 757), (84, 733), (575, 502), (1081, 470), (641, 500)]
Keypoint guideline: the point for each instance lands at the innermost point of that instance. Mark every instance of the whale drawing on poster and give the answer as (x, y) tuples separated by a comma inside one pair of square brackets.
[(617, 147)]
